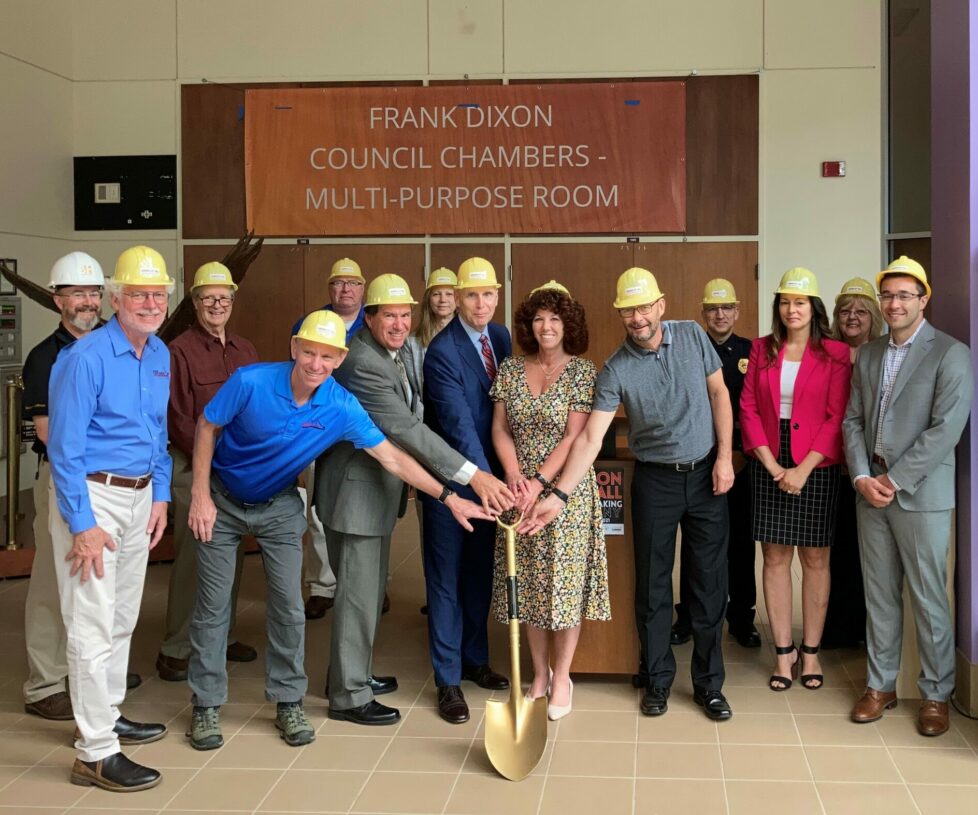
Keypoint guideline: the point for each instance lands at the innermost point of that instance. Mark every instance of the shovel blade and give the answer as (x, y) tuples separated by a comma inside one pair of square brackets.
[(516, 735)]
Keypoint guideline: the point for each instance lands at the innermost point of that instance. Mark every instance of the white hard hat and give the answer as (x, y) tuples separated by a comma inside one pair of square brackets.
[(76, 269)]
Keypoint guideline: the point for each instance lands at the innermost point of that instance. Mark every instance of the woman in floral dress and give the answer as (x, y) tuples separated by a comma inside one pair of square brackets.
[(542, 403)]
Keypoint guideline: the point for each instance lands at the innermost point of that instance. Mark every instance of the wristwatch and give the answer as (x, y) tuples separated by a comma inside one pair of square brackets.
[(446, 493), (560, 494), (539, 477)]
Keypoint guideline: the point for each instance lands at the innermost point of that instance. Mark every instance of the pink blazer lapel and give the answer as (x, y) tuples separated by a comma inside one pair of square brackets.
[(805, 370), (774, 384)]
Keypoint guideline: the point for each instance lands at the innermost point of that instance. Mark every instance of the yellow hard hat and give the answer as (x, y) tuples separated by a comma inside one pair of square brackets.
[(324, 327), (477, 273), (798, 280), (857, 287), (906, 266), (441, 277), (718, 292), (551, 284), (345, 267), (141, 266), (214, 274), (636, 287), (388, 289)]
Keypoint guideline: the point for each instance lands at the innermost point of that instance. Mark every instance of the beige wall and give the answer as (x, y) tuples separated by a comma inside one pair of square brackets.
[(102, 77)]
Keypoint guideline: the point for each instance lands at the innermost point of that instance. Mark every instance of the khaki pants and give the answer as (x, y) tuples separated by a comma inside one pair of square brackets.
[(182, 594), (44, 628)]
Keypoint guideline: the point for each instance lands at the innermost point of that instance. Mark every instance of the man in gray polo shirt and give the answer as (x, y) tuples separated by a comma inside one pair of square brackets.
[(669, 378)]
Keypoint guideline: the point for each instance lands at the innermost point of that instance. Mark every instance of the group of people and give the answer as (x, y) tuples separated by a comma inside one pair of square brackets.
[(733, 440)]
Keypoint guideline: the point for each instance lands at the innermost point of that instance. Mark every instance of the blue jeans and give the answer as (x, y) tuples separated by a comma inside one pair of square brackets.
[(278, 525)]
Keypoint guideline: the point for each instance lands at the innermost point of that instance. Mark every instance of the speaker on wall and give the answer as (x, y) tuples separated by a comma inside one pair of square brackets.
[(125, 192)]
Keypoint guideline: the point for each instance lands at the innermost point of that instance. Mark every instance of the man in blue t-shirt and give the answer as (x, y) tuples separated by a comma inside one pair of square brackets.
[(259, 432)]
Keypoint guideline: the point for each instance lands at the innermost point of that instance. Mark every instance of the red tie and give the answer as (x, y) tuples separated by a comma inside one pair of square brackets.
[(490, 363)]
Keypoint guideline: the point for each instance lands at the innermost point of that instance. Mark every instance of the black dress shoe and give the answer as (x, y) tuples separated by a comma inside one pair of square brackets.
[(133, 680), (485, 677), (655, 701), (240, 652), (746, 637), (171, 669), (452, 706), (372, 713), (714, 704), (386, 605), (137, 732), (680, 635), (382, 684), (115, 774), (316, 607)]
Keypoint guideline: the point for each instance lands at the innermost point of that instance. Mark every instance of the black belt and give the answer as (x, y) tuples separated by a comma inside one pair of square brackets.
[(682, 466), (111, 480)]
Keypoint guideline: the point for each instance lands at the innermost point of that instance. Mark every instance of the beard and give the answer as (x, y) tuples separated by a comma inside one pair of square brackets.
[(84, 320)]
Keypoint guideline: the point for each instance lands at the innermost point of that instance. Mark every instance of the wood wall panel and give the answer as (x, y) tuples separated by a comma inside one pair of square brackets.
[(721, 148), (270, 299), (722, 155)]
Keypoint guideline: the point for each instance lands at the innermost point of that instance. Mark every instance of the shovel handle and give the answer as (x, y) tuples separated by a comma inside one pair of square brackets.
[(512, 598)]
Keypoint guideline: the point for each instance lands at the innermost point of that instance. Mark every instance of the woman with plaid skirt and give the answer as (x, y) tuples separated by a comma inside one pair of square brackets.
[(791, 412)]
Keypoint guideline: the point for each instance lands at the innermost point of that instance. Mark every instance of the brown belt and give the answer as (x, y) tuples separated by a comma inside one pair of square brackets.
[(880, 460), (111, 480)]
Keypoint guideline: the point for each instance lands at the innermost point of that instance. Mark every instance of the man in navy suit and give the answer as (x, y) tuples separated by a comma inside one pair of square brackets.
[(459, 368)]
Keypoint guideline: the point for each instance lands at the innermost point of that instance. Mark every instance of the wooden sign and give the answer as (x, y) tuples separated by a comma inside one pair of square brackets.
[(554, 158)]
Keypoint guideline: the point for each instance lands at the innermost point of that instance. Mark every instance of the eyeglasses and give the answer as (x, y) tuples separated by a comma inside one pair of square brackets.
[(141, 297), (861, 313), (346, 284), (209, 300), (79, 296), (901, 296), (726, 308), (643, 311)]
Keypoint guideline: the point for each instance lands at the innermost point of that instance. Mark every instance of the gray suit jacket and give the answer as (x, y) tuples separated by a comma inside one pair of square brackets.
[(353, 493), (928, 410)]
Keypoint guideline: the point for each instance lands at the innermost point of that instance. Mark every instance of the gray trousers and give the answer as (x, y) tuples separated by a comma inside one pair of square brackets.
[(895, 543), (44, 627), (278, 526), (182, 592), (360, 565)]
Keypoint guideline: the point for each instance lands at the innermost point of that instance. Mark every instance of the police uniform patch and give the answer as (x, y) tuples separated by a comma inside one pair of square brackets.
[(742, 365)]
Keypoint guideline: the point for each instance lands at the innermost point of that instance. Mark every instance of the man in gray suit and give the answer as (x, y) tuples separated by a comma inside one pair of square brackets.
[(911, 395), (359, 502)]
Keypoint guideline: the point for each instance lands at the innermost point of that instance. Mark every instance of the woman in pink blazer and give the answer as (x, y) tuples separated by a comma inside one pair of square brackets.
[(791, 411)]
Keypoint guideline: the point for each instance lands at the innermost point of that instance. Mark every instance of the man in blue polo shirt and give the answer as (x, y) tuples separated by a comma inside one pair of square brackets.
[(107, 446), (259, 432)]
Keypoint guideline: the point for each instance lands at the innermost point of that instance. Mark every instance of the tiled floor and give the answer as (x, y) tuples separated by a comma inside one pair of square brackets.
[(793, 752)]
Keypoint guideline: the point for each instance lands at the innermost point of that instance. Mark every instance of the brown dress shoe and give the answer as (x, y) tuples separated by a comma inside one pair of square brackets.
[(872, 704), (239, 652), (316, 607), (57, 707), (171, 669), (116, 773), (932, 718), (452, 706)]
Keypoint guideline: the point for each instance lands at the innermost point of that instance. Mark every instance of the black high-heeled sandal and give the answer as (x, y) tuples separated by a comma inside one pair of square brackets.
[(819, 679), (784, 650)]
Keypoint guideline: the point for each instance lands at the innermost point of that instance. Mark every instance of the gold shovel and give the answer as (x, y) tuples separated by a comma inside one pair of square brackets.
[(516, 730)]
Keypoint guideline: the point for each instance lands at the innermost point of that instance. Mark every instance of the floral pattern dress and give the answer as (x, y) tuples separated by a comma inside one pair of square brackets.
[(562, 571)]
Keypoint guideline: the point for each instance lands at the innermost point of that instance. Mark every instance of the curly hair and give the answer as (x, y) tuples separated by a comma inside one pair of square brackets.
[(779, 332), (875, 317), (570, 312)]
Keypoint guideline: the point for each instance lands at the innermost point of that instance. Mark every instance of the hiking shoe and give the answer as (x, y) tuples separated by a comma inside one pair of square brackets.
[(205, 728), (291, 720)]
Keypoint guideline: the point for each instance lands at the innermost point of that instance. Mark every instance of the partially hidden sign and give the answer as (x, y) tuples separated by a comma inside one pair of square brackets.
[(602, 157)]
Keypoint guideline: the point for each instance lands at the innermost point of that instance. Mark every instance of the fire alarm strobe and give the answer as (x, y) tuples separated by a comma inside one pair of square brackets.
[(833, 169)]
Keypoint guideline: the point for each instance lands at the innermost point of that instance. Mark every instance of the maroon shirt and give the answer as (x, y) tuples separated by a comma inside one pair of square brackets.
[(199, 365)]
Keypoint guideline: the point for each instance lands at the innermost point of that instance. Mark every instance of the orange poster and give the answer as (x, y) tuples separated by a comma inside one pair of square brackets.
[(557, 158)]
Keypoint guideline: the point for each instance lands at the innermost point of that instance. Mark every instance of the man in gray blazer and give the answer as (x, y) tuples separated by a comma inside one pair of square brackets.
[(359, 502), (911, 395)]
